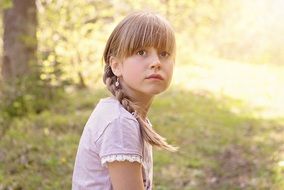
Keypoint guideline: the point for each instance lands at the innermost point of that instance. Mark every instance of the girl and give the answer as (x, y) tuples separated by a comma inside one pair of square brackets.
[(115, 150)]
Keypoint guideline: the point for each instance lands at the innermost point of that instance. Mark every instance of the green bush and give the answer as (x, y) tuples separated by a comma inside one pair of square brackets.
[(20, 97)]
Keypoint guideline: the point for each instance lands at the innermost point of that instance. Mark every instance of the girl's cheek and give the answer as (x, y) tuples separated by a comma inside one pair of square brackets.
[(132, 74), (171, 66)]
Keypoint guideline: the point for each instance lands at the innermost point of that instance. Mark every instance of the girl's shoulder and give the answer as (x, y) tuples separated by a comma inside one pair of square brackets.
[(109, 112), (110, 108)]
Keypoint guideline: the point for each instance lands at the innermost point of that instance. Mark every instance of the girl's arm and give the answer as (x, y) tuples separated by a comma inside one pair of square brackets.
[(126, 175)]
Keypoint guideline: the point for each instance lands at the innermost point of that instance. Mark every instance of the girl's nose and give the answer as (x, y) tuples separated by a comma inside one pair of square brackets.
[(155, 62)]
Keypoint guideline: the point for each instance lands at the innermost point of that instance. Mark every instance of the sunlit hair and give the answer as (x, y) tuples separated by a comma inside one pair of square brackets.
[(138, 30)]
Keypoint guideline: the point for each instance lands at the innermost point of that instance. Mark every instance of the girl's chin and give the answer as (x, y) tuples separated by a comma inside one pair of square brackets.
[(157, 91)]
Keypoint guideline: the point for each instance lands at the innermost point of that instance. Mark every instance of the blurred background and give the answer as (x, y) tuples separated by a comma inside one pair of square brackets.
[(224, 109)]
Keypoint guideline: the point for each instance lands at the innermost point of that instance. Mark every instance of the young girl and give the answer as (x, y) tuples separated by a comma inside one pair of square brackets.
[(115, 150)]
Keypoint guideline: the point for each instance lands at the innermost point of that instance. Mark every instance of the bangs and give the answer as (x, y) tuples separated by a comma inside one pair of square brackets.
[(146, 31)]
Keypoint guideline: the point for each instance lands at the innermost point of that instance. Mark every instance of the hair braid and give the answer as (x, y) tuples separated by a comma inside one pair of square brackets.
[(147, 132)]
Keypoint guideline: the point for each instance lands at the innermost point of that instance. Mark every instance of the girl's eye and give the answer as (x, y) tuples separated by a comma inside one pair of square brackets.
[(164, 54), (141, 52)]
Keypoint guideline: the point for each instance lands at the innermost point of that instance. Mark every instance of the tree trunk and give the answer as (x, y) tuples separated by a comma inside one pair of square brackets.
[(20, 42)]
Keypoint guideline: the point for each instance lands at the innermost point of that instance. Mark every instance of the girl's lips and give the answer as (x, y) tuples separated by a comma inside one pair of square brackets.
[(155, 76)]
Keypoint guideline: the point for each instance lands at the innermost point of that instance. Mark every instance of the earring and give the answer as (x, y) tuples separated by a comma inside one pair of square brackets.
[(135, 114), (117, 82)]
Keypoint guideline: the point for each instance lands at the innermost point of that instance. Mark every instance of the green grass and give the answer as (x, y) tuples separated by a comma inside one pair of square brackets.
[(218, 148), (225, 140)]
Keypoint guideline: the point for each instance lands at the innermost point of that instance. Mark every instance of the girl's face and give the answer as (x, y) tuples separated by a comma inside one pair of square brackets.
[(146, 73)]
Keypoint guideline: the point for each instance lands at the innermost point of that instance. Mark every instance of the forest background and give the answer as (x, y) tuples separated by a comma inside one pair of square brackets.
[(224, 108)]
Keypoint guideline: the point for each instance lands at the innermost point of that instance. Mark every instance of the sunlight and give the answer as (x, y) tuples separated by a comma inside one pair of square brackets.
[(281, 163), (249, 66), (257, 85)]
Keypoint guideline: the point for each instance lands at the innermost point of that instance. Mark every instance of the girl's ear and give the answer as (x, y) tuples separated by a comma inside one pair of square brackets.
[(115, 66)]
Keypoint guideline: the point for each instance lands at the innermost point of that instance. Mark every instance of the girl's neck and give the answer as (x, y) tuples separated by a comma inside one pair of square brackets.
[(141, 101), (143, 109), (141, 106)]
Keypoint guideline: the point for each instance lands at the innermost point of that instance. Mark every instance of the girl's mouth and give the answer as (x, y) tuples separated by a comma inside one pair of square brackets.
[(155, 76)]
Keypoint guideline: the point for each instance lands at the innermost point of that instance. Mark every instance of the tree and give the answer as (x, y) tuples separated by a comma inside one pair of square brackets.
[(20, 43), (20, 70)]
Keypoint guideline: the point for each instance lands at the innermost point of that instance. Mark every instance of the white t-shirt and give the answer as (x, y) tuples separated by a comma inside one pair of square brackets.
[(110, 134)]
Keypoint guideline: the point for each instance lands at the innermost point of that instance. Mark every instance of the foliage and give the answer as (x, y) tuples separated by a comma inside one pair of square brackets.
[(71, 49), (4, 4), (20, 97)]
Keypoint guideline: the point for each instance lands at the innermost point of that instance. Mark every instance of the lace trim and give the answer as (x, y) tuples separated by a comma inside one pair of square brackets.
[(121, 157)]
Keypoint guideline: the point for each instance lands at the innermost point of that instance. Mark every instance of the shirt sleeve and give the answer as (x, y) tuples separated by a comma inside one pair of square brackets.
[(121, 141)]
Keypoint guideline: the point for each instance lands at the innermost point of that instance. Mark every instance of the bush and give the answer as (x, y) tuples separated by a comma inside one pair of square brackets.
[(20, 97)]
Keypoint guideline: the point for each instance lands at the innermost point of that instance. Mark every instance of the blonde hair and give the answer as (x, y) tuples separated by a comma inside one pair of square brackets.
[(138, 30)]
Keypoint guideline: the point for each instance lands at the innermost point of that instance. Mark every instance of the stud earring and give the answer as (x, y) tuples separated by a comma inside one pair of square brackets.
[(117, 82)]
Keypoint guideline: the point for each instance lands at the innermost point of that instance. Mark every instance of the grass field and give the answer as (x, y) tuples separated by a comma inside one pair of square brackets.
[(226, 117)]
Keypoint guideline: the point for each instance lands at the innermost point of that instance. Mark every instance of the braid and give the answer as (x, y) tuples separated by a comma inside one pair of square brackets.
[(147, 132), (152, 137)]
